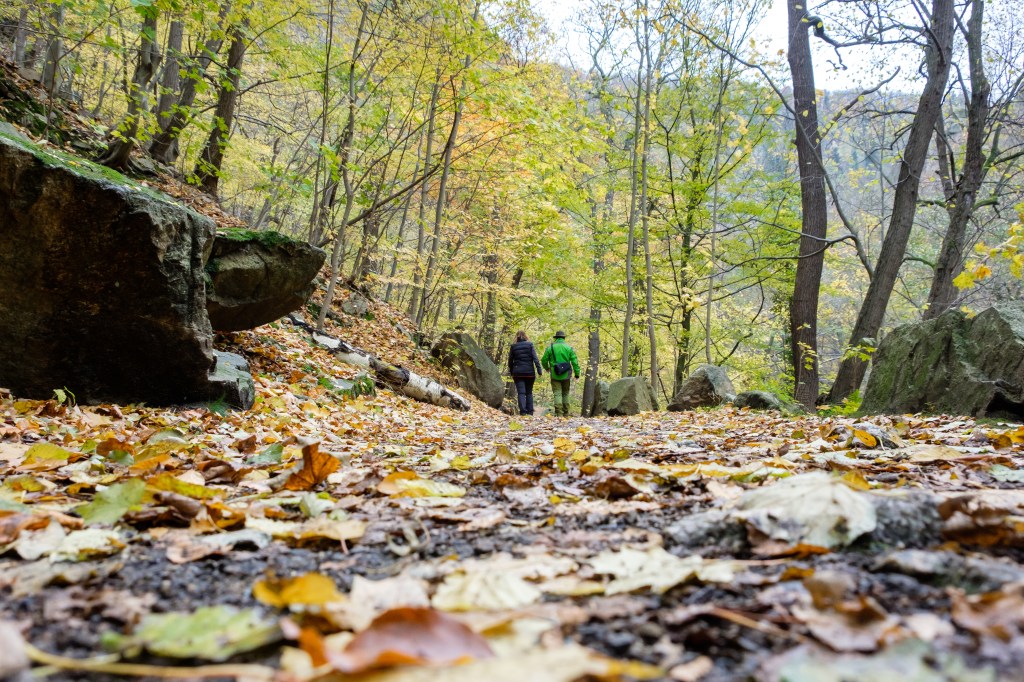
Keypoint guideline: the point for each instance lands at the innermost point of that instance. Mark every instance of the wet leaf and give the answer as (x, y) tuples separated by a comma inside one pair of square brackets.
[(316, 467)]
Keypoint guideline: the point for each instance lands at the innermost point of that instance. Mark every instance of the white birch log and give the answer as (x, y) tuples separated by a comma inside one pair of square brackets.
[(395, 377)]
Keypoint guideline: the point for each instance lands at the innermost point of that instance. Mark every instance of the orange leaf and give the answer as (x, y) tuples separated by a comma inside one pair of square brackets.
[(316, 467), (411, 636)]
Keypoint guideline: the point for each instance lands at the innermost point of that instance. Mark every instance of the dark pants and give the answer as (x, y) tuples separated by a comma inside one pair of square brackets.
[(560, 395), (524, 389)]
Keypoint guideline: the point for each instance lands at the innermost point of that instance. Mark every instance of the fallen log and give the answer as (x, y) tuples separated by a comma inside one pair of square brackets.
[(385, 374)]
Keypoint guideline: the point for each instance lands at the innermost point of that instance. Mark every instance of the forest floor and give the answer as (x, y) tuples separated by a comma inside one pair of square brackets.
[(711, 545)]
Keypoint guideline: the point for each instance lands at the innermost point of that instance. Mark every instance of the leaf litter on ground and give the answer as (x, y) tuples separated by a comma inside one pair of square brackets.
[(283, 534)]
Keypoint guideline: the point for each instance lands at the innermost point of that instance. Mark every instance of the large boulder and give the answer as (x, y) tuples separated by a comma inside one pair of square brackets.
[(257, 277), (459, 353), (630, 395), (101, 286), (707, 386), (952, 364)]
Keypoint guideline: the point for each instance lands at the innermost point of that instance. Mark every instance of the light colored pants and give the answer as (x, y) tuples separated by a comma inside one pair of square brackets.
[(560, 396)]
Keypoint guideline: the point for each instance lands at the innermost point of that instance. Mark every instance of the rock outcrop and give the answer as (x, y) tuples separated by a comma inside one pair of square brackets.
[(460, 353), (102, 287), (630, 395), (952, 364), (257, 277), (707, 386)]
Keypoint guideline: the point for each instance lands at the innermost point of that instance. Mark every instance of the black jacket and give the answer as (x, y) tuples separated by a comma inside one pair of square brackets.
[(522, 358)]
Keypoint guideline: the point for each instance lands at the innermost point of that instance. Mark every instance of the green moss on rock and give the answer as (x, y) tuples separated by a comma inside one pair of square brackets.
[(264, 237)]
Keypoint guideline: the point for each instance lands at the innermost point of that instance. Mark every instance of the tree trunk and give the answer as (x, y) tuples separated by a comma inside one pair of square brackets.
[(960, 201), (442, 190), (164, 147), (55, 51), (21, 37), (645, 208), (344, 150), (421, 218), (212, 157), (631, 221), (803, 306), (170, 82), (929, 108), (119, 148), (489, 330)]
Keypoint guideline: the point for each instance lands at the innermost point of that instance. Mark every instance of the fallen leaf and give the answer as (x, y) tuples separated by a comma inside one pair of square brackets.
[(316, 467), (311, 589), (411, 636), (109, 505), (213, 633), (997, 614), (409, 484), (814, 509), (484, 590), (655, 569)]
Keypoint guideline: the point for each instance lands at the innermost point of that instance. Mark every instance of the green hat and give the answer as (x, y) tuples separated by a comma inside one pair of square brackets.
[(559, 334)]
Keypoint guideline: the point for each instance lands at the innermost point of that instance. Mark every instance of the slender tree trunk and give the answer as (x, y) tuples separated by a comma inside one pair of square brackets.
[(631, 221), (803, 306), (164, 147), (170, 82), (719, 130), (421, 218), (400, 241), (929, 108), (961, 199), (489, 329), (344, 150), (645, 208), (442, 190), (211, 158), (119, 148), (316, 218), (55, 50), (21, 37)]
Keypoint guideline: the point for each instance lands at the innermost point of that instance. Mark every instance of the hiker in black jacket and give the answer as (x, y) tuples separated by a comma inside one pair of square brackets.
[(522, 358)]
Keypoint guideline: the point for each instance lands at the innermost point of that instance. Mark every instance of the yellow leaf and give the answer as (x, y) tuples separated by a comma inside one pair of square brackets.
[(311, 589)]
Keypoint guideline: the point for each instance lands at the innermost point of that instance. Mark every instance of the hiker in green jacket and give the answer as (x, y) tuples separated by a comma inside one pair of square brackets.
[(560, 360)]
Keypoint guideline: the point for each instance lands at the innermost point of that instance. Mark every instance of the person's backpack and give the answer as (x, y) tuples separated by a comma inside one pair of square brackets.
[(559, 367)]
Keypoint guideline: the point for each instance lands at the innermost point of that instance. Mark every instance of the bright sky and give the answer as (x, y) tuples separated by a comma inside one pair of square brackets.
[(863, 67)]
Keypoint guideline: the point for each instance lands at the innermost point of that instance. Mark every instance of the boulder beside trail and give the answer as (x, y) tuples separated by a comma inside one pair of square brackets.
[(630, 395), (707, 386), (952, 364), (101, 286), (758, 400), (477, 373), (258, 277)]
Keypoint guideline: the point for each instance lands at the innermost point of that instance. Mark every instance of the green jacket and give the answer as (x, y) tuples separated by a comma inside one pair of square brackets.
[(557, 352)]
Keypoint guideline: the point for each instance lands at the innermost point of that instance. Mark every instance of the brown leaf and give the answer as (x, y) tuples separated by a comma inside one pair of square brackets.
[(11, 525), (411, 636), (999, 614), (316, 467)]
